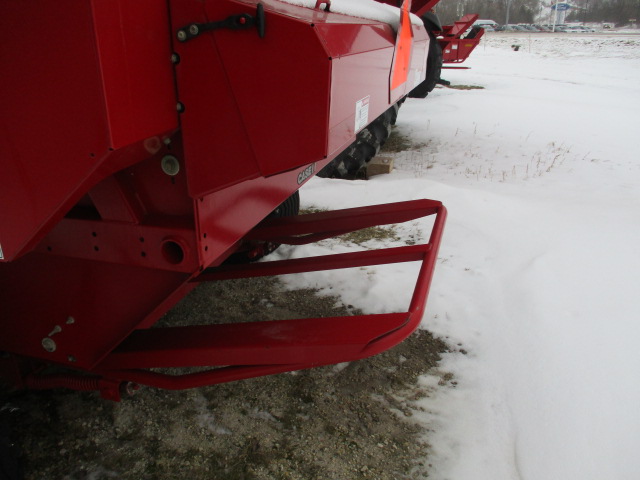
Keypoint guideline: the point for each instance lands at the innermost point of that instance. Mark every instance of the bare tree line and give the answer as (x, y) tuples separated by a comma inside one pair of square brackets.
[(620, 12)]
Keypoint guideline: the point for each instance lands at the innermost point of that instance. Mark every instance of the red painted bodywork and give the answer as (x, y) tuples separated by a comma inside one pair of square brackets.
[(98, 241), (455, 42), (456, 45)]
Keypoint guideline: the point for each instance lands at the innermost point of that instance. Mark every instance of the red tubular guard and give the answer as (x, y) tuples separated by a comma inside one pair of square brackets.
[(253, 349)]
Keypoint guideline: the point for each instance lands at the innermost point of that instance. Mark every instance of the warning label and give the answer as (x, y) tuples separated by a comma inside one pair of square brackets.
[(362, 113)]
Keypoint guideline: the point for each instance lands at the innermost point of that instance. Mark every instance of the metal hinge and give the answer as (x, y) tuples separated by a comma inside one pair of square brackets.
[(234, 22)]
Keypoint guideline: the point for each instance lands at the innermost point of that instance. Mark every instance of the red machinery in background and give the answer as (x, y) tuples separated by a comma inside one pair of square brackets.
[(143, 143), (457, 40)]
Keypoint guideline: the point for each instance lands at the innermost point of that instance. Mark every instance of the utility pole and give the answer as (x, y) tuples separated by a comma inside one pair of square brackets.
[(506, 21)]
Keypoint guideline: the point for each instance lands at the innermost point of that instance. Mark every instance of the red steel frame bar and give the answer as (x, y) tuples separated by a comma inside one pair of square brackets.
[(261, 348)]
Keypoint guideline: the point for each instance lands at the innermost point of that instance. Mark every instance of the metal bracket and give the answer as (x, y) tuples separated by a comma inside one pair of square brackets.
[(243, 21)]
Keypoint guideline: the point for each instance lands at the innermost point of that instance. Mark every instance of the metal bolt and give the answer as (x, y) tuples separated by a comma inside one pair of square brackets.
[(170, 165), (56, 329), (49, 345), (129, 388), (182, 35), (193, 29), (71, 358), (70, 320), (180, 107), (175, 58)]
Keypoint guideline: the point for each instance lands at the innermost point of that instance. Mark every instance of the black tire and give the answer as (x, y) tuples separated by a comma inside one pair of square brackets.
[(380, 129), (253, 251), (353, 161), (288, 208), (391, 114), (473, 33), (434, 69)]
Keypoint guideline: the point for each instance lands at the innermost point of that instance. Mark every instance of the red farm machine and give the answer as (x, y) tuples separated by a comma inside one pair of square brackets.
[(144, 143)]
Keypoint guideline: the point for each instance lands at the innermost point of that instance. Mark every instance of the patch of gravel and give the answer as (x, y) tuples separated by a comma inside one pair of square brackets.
[(348, 422)]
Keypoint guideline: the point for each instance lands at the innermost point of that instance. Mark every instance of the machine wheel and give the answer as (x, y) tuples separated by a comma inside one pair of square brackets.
[(350, 163), (434, 69), (288, 208), (473, 33), (253, 251)]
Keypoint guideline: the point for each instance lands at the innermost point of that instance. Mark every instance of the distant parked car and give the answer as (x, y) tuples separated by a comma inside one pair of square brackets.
[(581, 29), (485, 24), (513, 28)]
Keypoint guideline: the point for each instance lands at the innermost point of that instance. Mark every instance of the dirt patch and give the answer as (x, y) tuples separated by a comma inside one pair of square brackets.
[(349, 421), (465, 87), (396, 143)]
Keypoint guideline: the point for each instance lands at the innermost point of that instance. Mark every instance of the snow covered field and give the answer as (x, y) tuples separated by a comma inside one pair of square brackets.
[(538, 280)]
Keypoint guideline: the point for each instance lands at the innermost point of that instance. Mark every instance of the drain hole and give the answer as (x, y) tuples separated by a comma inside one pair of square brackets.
[(172, 252)]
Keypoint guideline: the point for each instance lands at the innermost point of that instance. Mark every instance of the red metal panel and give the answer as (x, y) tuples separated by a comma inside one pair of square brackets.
[(459, 27), (267, 98), (362, 54), (49, 91), (276, 92), (458, 50), (54, 130), (105, 300), (224, 217), (281, 86), (166, 246), (420, 7), (361, 60), (311, 340), (454, 48), (134, 47)]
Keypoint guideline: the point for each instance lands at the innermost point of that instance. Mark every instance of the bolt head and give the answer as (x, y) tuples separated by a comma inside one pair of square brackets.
[(193, 29), (170, 165), (182, 35), (49, 344)]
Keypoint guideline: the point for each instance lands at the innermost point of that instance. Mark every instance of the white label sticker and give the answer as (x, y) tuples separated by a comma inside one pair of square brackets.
[(362, 113)]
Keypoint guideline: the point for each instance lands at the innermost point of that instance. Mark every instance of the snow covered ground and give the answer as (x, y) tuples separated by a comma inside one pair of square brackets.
[(538, 279)]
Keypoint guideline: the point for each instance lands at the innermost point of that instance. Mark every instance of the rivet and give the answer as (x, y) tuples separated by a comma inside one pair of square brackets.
[(182, 35), (193, 29), (175, 58), (180, 107)]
